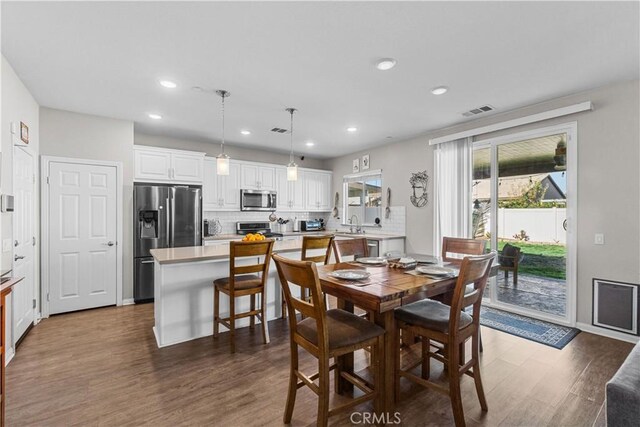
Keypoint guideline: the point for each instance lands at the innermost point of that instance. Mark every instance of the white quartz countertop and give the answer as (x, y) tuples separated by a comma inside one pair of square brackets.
[(372, 236), (208, 253)]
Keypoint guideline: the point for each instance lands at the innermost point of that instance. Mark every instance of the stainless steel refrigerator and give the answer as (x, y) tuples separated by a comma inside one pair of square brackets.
[(164, 216)]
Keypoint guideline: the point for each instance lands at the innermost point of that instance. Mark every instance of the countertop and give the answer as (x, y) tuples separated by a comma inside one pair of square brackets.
[(373, 236), (6, 286), (216, 252)]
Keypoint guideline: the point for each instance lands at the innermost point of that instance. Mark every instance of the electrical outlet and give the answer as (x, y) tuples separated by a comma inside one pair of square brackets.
[(6, 245), (599, 239)]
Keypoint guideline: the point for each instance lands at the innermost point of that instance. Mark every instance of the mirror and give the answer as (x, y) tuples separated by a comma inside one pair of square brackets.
[(362, 197)]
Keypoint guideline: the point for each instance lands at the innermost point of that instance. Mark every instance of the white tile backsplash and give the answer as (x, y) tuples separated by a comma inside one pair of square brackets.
[(228, 219), (395, 224)]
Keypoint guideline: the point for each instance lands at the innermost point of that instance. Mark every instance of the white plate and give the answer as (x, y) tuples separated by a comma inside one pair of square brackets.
[(435, 271), (371, 260), (350, 274)]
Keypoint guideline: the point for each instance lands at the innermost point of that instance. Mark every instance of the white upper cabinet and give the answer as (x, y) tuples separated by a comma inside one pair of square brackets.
[(153, 164), (256, 177), (317, 190), (220, 192), (290, 193)]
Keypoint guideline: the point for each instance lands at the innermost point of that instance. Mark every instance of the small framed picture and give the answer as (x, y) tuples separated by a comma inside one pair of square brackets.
[(356, 165), (365, 162), (24, 133)]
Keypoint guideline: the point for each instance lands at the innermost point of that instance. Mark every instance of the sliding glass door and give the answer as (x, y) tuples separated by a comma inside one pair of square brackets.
[(522, 207)]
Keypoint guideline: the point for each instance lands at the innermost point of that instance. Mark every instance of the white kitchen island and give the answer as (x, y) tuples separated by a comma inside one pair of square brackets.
[(184, 290)]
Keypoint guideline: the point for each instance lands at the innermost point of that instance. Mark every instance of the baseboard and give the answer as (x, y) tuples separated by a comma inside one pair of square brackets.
[(128, 301), (607, 333), (8, 355)]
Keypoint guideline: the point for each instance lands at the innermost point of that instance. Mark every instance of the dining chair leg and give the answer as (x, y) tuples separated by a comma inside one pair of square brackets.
[(252, 318), (426, 358), (462, 353), (396, 367), (283, 310), (477, 379), (232, 323), (480, 341), (216, 311), (263, 317), (293, 385), (378, 403), (323, 396), (454, 385)]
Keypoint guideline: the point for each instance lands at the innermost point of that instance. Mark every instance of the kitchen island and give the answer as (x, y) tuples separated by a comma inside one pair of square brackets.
[(183, 288)]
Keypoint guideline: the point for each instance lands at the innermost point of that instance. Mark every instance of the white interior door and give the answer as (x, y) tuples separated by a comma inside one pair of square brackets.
[(24, 241), (82, 236)]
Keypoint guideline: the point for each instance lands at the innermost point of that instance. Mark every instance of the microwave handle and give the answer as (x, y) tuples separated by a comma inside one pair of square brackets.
[(272, 201)]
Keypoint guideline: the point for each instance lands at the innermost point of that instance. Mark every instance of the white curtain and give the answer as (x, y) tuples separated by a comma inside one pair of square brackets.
[(452, 187)]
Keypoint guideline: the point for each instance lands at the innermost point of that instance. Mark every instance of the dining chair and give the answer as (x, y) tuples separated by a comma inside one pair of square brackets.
[(450, 326), (325, 334), (459, 246), (313, 244), (357, 248), (243, 281)]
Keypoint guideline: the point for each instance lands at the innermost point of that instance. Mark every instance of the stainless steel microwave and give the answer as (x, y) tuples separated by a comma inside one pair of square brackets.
[(257, 200)]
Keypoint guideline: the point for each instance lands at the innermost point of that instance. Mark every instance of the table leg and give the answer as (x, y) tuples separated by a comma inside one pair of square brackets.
[(344, 362), (387, 383)]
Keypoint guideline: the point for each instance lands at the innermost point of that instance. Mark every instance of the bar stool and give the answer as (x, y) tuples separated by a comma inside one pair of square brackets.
[(325, 334), (241, 282), (311, 243), (450, 326)]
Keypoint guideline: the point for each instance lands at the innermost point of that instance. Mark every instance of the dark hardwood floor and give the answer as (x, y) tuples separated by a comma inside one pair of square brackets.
[(102, 367)]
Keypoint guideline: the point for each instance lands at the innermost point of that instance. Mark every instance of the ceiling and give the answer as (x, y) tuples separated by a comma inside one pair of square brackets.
[(106, 58)]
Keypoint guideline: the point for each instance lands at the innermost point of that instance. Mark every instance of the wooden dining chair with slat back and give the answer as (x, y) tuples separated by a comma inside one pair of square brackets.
[(310, 245), (325, 334), (243, 281), (452, 327), (357, 248)]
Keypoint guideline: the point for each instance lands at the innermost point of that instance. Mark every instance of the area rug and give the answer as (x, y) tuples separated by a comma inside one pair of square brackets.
[(525, 327)]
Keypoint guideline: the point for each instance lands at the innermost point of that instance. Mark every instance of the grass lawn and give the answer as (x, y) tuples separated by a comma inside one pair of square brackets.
[(541, 259)]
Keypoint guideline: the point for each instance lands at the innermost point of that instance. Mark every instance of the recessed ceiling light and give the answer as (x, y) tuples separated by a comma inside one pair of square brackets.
[(310, 144), (439, 90), (154, 116), (352, 129), (245, 132), (168, 84), (386, 64)]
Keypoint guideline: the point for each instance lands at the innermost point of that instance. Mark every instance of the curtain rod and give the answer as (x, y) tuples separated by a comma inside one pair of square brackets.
[(545, 115)]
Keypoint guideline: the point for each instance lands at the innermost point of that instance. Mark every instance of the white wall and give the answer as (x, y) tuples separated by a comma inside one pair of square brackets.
[(17, 105), (213, 149), (608, 181), (82, 136)]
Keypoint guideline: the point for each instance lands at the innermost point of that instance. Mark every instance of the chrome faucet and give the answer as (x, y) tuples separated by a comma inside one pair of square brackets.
[(358, 227)]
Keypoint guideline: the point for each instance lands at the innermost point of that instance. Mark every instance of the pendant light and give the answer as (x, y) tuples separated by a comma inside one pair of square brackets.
[(222, 160), (292, 167)]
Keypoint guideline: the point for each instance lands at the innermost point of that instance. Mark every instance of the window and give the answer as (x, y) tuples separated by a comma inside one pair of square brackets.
[(362, 197)]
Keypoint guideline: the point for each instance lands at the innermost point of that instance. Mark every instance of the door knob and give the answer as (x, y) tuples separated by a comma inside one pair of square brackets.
[(17, 257), (110, 243)]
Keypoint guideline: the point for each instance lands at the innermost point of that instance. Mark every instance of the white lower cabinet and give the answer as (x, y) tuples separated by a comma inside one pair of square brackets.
[(221, 192)]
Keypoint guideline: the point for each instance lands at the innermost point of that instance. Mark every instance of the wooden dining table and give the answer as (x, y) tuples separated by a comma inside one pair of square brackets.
[(386, 289)]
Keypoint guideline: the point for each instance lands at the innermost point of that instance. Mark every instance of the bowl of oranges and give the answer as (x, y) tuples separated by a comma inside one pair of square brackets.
[(257, 237)]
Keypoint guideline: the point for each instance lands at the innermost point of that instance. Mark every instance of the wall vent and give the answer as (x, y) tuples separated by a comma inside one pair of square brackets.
[(615, 306), (280, 130), (479, 110)]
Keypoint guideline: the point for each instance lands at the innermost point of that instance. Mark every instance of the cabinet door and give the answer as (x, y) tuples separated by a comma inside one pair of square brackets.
[(229, 188), (186, 167), (151, 165), (296, 193), (210, 185), (249, 177), (282, 188), (311, 191), (267, 178), (324, 192)]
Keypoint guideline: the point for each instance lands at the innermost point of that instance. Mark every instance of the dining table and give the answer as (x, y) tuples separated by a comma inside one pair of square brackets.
[(385, 289)]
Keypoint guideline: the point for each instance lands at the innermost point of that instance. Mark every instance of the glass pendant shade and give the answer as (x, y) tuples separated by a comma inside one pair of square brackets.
[(222, 164), (292, 172)]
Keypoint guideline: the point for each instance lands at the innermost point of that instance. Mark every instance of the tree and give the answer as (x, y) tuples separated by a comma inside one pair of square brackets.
[(531, 197)]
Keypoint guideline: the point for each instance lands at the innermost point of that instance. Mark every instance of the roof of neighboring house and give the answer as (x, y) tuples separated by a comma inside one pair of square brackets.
[(513, 187)]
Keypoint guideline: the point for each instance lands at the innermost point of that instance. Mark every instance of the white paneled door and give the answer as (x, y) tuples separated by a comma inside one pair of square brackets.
[(23, 295), (82, 236)]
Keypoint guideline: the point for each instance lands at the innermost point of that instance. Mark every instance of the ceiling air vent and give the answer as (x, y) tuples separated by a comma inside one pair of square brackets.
[(479, 110), (279, 130)]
